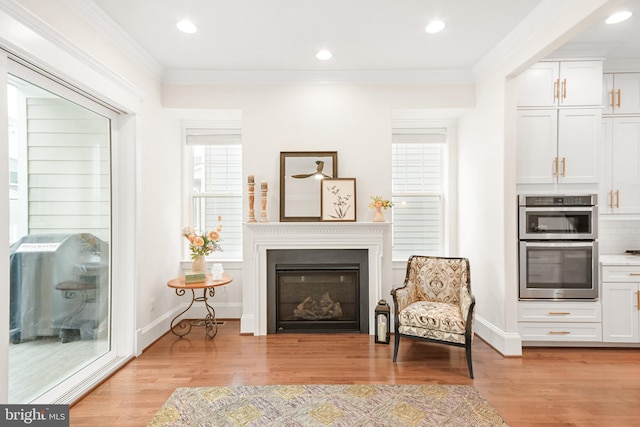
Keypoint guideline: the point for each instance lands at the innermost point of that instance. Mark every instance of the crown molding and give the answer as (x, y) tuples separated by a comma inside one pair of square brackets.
[(622, 65), (582, 51), (98, 19), (369, 77), (34, 23), (92, 14)]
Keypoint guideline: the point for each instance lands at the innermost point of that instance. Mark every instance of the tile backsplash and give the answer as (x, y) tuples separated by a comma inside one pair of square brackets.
[(618, 235)]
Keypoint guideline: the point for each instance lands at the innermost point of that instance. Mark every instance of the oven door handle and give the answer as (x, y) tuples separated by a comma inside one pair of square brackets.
[(556, 244), (559, 209)]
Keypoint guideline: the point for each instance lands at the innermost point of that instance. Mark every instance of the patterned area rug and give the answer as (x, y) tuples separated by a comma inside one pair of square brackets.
[(327, 405)]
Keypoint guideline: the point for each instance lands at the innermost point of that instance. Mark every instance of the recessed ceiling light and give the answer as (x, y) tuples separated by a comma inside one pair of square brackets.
[(186, 26), (618, 17), (435, 27), (324, 55)]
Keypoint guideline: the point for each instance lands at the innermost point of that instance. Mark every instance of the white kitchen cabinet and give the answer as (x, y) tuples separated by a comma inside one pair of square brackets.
[(561, 84), (560, 321), (558, 146), (621, 93), (621, 303), (620, 190)]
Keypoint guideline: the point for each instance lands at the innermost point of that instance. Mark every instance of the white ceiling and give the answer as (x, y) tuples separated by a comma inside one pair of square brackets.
[(284, 35), (614, 42)]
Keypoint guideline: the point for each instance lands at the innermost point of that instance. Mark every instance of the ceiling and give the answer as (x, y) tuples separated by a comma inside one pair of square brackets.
[(614, 42), (284, 35)]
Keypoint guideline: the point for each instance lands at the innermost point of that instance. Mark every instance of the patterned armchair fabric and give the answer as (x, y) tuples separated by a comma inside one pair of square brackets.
[(435, 303)]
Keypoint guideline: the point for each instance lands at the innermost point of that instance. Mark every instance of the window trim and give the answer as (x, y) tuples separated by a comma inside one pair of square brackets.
[(401, 124), (226, 126)]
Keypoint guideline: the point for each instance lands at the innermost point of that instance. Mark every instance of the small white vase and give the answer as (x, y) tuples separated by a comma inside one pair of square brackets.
[(199, 264), (379, 215)]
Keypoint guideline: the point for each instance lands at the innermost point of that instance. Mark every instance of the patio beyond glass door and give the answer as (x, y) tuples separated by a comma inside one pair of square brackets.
[(60, 234)]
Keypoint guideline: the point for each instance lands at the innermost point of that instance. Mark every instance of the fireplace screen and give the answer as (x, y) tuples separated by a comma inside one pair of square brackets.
[(317, 300)]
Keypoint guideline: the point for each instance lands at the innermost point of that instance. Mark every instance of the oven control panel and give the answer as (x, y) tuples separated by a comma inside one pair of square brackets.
[(585, 200)]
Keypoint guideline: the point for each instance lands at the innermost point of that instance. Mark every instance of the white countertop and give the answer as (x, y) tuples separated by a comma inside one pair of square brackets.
[(620, 259)]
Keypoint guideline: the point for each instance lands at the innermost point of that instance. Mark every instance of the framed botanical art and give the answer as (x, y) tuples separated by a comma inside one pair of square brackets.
[(338, 199), (301, 173)]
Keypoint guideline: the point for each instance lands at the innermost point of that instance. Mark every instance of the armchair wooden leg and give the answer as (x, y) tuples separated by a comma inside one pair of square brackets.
[(396, 341), (469, 362)]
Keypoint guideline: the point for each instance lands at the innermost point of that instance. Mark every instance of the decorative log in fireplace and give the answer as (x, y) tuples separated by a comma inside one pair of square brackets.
[(310, 309), (319, 290)]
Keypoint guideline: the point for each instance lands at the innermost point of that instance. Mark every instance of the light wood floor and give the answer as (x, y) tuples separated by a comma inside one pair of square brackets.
[(545, 387)]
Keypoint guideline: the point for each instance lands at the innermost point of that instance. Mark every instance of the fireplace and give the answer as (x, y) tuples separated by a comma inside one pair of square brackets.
[(374, 238), (317, 290)]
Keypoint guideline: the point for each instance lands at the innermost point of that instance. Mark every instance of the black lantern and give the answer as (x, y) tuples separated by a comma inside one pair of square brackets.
[(383, 323)]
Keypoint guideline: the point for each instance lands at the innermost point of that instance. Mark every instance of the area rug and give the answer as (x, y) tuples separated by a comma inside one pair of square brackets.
[(327, 405)]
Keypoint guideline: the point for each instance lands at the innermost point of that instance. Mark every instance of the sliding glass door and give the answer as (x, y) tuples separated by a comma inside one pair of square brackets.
[(60, 234)]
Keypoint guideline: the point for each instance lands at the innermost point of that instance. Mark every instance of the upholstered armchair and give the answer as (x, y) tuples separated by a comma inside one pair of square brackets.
[(435, 303)]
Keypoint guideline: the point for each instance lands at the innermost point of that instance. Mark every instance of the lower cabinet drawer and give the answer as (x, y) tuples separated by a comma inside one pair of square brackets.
[(534, 331), (621, 273), (559, 311)]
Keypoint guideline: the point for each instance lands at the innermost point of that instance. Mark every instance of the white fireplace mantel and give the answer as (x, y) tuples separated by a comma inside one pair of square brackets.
[(261, 237)]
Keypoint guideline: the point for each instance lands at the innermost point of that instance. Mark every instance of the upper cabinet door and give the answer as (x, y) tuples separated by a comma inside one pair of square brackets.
[(621, 93), (580, 84), (537, 147), (561, 84), (538, 86), (579, 145), (625, 165)]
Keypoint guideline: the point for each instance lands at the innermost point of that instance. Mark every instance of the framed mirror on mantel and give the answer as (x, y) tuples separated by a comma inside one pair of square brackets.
[(301, 173)]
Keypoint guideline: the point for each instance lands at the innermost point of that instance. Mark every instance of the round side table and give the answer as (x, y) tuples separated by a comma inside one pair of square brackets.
[(184, 326)]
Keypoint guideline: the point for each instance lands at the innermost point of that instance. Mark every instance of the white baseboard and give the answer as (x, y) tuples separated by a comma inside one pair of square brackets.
[(507, 344), (154, 330), (247, 324), (160, 326)]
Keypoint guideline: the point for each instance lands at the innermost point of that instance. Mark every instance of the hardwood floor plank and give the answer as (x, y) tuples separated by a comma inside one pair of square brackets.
[(546, 387)]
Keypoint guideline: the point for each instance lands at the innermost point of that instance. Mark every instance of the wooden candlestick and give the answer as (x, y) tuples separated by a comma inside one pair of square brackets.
[(252, 186), (264, 190)]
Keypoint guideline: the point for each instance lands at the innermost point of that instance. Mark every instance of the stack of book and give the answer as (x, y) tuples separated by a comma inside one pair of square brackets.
[(194, 277)]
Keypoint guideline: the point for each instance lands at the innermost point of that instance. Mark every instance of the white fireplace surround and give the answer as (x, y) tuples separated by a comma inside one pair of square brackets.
[(261, 237)]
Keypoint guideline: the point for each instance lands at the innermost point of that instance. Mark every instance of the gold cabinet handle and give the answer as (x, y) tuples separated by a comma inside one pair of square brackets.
[(613, 98), (559, 332), (634, 274), (555, 167), (564, 166), (617, 198), (618, 98), (611, 199), (564, 89), (557, 313), (638, 300), (556, 89)]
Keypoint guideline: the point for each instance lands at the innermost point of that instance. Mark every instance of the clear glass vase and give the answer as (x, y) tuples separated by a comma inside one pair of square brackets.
[(199, 264)]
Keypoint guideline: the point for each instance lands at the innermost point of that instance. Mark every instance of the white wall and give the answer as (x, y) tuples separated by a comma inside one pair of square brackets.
[(353, 120), (487, 189)]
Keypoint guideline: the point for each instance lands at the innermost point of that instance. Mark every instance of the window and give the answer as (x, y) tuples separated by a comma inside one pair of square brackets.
[(215, 186), (418, 191)]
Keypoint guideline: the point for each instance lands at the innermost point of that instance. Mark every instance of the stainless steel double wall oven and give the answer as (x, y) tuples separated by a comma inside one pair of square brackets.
[(558, 238)]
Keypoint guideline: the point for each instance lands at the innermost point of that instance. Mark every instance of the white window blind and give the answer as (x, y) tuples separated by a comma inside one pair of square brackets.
[(418, 192), (216, 186)]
